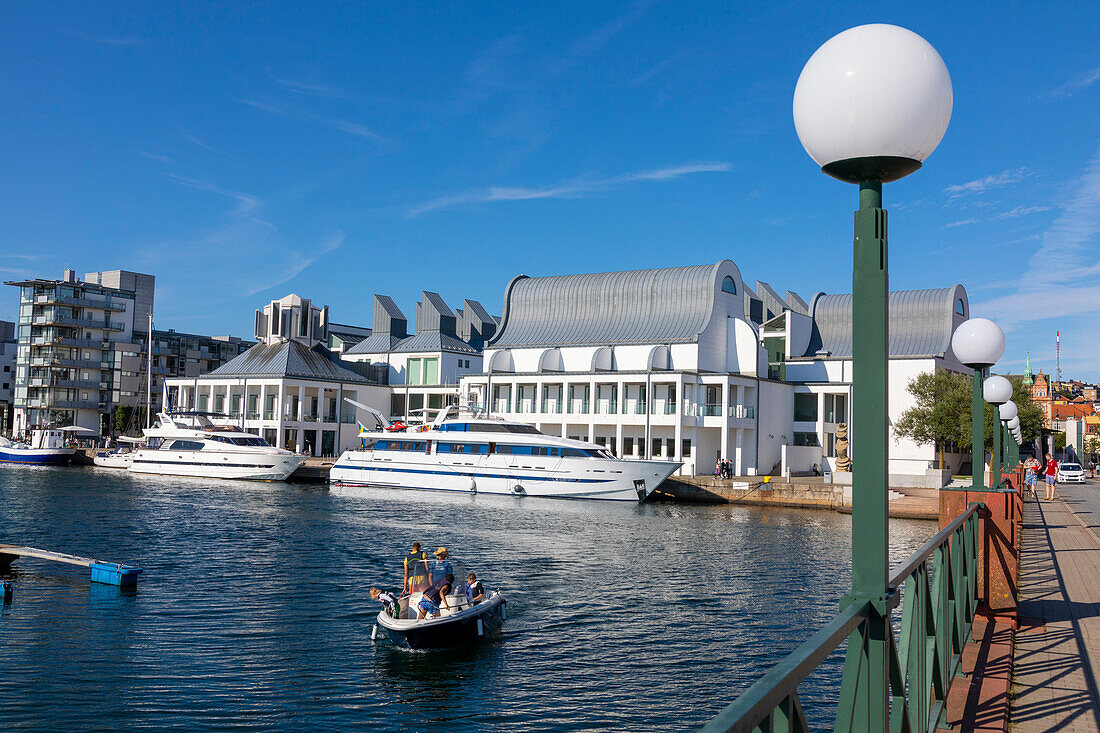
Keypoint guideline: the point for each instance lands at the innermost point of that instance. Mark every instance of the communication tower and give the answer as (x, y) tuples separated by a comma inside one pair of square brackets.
[(1058, 354)]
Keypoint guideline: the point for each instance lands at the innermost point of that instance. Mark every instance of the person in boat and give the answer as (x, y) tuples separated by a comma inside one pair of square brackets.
[(387, 599), (417, 573), (442, 566), (435, 594), (474, 592)]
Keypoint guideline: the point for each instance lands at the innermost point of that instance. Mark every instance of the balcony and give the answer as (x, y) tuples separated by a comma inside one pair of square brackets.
[(348, 419), (713, 409), (269, 414), (670, 408), (77, 405), (742, 412), (76, 384), (81, 343), (253, 415), (84, 302)]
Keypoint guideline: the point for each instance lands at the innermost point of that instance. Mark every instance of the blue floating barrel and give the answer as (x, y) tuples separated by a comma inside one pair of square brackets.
[(124, 576), (7, 591)]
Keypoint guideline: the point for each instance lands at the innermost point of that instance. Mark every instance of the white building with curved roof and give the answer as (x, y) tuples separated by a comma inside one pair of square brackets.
[(814, 353), (657, 363)]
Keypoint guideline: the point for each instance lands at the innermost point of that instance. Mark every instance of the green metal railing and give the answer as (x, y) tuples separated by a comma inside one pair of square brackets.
[(907, 681)]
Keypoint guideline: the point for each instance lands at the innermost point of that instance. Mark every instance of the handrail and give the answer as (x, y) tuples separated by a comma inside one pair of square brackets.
[(922, 553), (767, 693), (936, 620)]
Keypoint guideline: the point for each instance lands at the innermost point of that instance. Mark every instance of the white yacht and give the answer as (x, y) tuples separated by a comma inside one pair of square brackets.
[(189, 444), (492, 456)]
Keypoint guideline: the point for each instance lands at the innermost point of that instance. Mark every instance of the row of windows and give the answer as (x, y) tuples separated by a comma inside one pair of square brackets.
[(420, 446)]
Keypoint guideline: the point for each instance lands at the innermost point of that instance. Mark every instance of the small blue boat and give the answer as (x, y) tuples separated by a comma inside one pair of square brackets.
[(46, 448)]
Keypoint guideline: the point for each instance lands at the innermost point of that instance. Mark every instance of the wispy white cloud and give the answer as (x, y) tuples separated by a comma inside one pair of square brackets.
[(1077, 83), (1012, 213), (18, 272), (297, 263), (290, 113), (159, 158), (107, 40), (242, 251), (312, 89), (981, 185), (1059, 279), (575, 188)]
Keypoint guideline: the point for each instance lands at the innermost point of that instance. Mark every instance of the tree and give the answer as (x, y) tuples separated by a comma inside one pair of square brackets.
[(1092, 445), (941, 413), (1030, 414), (122, 416)]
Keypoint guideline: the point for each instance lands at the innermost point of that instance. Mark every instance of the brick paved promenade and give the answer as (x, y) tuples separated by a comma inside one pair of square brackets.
[(1056, 661)]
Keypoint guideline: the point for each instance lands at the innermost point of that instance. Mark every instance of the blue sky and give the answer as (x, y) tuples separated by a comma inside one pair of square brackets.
[(241, 152)]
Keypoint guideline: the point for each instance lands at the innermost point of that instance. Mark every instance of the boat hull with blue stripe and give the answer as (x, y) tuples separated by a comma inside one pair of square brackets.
[(37, 456), (496, 457)]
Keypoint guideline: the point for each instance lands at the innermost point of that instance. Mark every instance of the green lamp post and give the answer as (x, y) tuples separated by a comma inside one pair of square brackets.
[(870, 106), (1007, 413), (997, 391), (978, 343)]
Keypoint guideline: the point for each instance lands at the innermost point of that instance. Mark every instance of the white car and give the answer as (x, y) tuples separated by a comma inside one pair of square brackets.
[(1071, 472)]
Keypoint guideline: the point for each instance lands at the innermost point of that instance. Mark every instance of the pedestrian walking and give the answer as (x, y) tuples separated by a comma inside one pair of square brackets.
[(1031, 476), (1051, 476)]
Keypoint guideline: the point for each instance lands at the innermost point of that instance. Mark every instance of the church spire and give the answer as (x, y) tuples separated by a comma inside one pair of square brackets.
[(1028, 376)]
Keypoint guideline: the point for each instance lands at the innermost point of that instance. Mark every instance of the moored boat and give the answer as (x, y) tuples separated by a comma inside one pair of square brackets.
[(46, 447), (189, 444), (490, 456)]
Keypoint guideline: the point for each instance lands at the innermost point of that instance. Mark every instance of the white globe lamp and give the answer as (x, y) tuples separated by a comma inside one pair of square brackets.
[(997, 390), (1008, 412), (978, 343), (872, 103), (1013, 424)]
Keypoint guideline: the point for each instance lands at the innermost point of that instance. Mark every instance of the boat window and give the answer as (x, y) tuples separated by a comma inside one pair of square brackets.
[(471, 448), (247, 441), (584, 453), (184, 445), (525, 450), (453, 427), (411, 446), (496, 427)]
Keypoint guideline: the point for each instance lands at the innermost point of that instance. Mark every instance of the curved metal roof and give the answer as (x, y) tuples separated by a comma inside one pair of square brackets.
[(921, 322), (668, 305)]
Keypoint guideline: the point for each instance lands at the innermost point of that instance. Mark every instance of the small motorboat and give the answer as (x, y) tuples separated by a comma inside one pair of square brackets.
[(119, 457), (46, 448), (461, 624)]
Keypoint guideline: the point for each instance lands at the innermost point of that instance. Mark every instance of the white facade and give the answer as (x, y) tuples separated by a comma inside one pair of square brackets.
[(289, 388), (692, 396)]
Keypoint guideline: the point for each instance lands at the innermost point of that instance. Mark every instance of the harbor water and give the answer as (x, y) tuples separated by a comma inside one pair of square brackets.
[(252, 612)]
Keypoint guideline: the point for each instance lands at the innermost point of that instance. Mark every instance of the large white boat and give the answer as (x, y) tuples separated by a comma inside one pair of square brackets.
[(189, 444), (492, 456)]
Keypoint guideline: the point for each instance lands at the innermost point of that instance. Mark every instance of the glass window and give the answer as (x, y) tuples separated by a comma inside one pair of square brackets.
[(959, 308), (413, 372), (469, 448), (729, 286), (686, 447), (628, 446), (805, 407), (806, 439), (431, 371)]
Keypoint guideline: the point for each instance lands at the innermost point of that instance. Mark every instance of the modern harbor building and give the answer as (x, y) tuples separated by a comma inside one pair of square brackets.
[(289, 388), (82, 345), (8, 346), (659, 363), (813, 352), (423, 369), (692, 364)]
